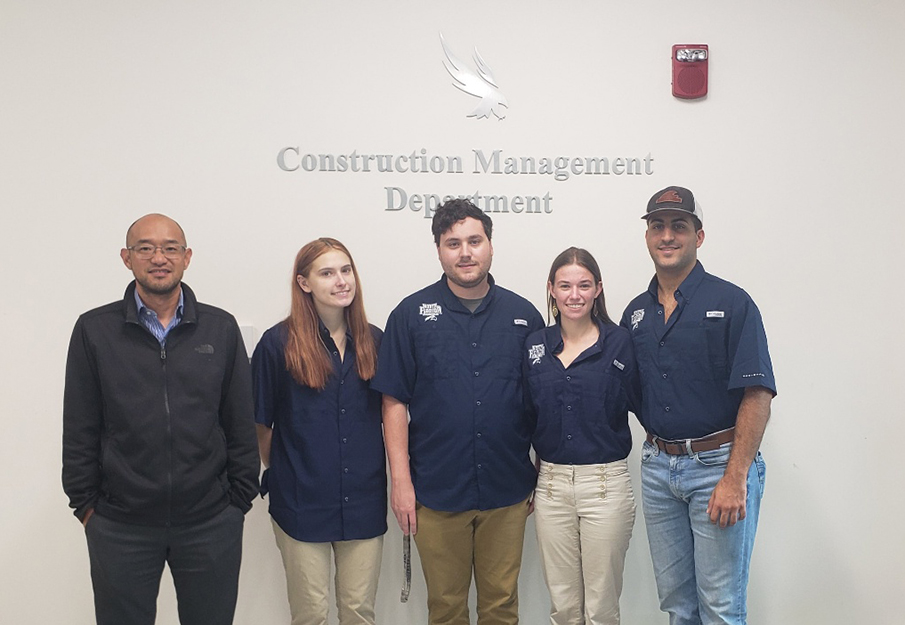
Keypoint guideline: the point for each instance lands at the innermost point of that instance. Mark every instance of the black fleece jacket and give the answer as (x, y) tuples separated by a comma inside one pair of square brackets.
[(158, 436)]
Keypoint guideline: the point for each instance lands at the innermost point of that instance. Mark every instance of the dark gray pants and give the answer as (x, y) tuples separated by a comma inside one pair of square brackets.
[(127, 562)]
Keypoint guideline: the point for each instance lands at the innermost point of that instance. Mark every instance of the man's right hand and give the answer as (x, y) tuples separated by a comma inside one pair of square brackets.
[(402, 501), (87, 516)]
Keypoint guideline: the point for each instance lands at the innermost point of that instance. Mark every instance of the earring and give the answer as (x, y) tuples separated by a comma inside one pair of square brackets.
[(555, 309)]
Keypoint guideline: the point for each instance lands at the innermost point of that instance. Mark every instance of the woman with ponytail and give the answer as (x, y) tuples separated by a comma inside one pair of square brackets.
[(320, 437), (582, 381)]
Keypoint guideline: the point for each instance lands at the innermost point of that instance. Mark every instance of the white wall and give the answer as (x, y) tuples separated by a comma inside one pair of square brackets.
[(114, 109)]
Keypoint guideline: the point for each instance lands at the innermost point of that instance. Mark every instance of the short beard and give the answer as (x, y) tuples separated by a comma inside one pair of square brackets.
[(467, 285)]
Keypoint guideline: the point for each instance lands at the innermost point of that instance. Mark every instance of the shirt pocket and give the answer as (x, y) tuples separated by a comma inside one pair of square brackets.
[(505, 353), (607, 403), (716, 337), (436, 352)]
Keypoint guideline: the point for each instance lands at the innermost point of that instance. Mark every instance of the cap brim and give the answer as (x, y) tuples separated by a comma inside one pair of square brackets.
[(668, 208)]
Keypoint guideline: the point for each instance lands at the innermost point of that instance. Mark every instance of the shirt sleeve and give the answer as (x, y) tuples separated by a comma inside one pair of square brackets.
[(397, 367), (266, 364), (82, 424), (527, 395), (243, 464), (749, 355), (537, 321), (632, 379)]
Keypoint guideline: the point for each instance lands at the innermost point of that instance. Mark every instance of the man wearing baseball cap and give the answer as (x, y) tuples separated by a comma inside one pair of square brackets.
[(707, 384)]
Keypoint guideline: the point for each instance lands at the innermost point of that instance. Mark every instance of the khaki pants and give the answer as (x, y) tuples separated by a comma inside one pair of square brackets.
[(584, 516), (308, 578), (452, 544)]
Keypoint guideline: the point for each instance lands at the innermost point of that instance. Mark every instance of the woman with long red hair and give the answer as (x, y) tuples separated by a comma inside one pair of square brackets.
[(320, 437)]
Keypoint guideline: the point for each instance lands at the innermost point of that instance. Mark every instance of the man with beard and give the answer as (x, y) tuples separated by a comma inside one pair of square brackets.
[(160, 458), (461, 475)]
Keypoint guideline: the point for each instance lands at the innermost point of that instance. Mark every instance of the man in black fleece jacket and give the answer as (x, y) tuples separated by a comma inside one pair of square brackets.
[(160, 459)]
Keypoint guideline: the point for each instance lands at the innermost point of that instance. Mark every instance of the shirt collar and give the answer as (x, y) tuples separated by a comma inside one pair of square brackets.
[(141, 307), (555, 342), (325, 333), (689, 285), (452, 300)]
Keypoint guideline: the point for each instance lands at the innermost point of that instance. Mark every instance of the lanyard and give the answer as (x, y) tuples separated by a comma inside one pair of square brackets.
[(407, 564)]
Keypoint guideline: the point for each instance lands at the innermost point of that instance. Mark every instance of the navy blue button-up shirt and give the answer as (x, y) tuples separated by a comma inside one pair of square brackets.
[(582, 410), (461, 375), (695, 367), (327, 475)]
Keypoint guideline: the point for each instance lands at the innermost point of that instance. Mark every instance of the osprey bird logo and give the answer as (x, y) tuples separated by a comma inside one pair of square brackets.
[(481, 85)]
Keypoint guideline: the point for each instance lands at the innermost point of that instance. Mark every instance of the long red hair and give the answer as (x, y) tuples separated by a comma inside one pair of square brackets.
[(306, 358)]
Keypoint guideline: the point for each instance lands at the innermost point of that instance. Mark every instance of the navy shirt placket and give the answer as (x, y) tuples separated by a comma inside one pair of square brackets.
[(475, 356), (665, 356), (342, 419), (474, 353)]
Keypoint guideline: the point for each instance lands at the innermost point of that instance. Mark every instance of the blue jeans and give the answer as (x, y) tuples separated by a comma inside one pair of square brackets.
[(701, 570)]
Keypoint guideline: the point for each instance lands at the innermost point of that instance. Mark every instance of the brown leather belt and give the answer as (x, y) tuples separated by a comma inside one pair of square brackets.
[(693, 445)]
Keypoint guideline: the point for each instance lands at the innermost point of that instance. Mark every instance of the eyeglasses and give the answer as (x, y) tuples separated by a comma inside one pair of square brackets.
[(146, 251)]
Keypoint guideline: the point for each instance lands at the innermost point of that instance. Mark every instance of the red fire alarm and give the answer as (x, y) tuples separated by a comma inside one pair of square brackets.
[(689, 70)]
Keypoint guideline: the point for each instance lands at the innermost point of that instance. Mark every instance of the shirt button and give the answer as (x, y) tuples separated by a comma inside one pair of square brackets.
[(479, 435), (666, 409), (341, 382), (659, 312), (664, 376), (346, 499), (343, 410), (479, 465), (336, 353), (346, 440), (477, 373), (569, 437), (568, 407), (346, 470), (478, 403), (474, 344), (662, 343), (569, 378)]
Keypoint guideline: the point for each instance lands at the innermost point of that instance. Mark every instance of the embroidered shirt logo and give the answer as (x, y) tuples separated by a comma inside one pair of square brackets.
[(204, 348), (637, 316), (536, 352), (719, 314), (430, 312), (618, 365), (520, 322)]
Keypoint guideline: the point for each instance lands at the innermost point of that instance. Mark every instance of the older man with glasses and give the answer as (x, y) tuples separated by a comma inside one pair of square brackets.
[(160, 458)]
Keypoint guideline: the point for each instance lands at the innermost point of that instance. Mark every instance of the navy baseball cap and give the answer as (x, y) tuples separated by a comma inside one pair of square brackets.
[(674, 199)]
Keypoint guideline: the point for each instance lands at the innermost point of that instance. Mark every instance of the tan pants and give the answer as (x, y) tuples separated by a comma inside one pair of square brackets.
[(308, 578), (452, 544), (584, 516)]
